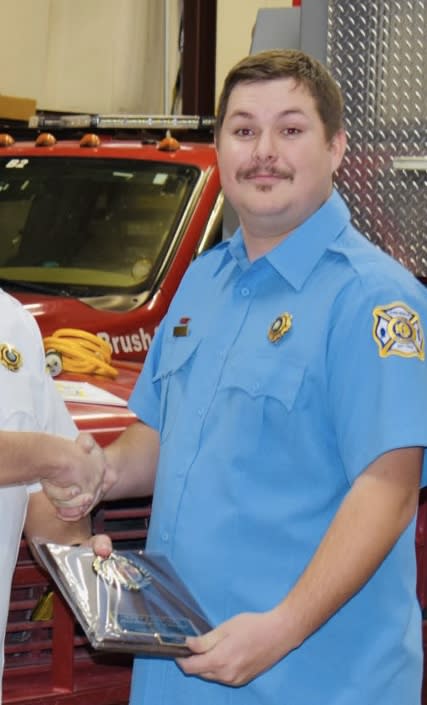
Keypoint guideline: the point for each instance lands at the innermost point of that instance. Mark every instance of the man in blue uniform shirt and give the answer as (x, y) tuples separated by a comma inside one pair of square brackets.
[(283, 411)]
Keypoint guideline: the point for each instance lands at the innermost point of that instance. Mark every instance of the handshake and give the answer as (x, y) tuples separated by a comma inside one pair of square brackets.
[(79, 477)]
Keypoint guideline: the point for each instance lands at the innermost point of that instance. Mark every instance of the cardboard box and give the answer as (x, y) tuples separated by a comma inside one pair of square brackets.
[(13, 108)]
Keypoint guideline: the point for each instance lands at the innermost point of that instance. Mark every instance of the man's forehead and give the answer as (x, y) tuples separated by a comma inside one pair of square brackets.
[(243, 99)]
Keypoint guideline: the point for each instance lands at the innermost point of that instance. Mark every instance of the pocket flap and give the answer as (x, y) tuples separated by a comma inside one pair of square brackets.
[(176, 352), (262, 376)]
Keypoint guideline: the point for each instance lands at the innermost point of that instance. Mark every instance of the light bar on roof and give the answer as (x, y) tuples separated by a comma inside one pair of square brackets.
[(60, 121), (162, 122), (122, 121)]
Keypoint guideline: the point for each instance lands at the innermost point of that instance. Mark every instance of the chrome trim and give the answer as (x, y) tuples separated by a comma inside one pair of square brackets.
[(116, 302), (410, 163), (182, 225), (213, 222)]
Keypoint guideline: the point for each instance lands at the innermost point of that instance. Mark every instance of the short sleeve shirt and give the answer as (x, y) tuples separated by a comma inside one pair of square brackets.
[(273, 385), (28, 402)]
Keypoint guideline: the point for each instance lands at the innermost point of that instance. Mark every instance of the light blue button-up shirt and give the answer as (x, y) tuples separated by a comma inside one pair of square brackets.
[(261, 440)]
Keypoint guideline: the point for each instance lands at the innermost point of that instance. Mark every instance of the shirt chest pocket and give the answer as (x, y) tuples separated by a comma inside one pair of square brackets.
[(18, 410), (262, 398), (264, 377), (176, 364)]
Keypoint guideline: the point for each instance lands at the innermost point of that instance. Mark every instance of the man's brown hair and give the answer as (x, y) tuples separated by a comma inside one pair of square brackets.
[(288, 63)]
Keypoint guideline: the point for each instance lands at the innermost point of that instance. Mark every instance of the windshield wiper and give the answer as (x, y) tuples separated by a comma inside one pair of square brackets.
[(33, 286)]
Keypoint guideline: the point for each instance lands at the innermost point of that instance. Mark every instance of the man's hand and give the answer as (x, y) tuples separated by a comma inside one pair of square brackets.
[(237, 650), (77, 485)]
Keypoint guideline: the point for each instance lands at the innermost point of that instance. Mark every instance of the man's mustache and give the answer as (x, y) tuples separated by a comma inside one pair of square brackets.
[(258, 170)]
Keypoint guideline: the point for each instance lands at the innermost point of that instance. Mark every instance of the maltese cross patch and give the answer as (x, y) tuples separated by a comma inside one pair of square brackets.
[(398, 331)]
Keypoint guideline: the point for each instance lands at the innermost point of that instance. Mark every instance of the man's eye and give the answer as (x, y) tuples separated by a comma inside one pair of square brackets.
[(243, 132), (291, 131)]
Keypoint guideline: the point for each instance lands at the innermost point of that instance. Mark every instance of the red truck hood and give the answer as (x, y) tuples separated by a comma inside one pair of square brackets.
[(104, 420)]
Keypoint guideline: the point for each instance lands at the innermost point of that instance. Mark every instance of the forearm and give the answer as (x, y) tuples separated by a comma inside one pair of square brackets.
[(42, 522), (378, 508), (67, 470), (27, 457), (132, 463)]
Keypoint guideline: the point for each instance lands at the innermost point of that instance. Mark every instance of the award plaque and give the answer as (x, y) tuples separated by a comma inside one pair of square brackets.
[(132, 601)]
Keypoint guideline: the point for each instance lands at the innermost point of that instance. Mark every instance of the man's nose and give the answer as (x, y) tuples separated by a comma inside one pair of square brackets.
[(265, 148)]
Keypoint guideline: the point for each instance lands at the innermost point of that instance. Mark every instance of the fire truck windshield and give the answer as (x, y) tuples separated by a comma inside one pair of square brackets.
[(89, 225)]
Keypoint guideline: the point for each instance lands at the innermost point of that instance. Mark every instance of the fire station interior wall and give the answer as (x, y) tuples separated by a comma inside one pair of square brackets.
[(235, 23), (97, 56), (109, 55)]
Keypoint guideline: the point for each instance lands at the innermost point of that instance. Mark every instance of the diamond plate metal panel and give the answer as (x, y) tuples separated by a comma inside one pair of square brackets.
[(377, 51)]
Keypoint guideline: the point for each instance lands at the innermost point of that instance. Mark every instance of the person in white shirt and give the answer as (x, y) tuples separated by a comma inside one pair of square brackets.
[(37, 450)]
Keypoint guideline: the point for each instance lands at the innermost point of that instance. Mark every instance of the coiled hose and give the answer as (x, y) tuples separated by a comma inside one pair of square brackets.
[(75, 350)]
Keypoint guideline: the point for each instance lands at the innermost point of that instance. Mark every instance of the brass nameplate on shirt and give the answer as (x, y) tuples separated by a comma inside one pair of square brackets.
[(180, 331)]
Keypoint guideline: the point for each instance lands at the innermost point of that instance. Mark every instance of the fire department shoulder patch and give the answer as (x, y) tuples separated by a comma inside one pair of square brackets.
[(397, 331)]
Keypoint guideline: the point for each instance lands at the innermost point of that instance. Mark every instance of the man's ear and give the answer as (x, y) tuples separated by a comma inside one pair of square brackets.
[(338, 145)]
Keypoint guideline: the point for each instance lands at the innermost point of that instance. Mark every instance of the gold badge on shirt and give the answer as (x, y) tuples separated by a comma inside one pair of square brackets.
[(280, 326), (397, 331), (10, 357)]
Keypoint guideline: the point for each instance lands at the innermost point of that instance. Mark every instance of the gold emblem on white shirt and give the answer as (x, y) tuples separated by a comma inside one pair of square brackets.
[(10, 357)]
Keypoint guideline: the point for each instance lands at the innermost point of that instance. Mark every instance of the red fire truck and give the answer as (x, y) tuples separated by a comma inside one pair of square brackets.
[(100, 216)]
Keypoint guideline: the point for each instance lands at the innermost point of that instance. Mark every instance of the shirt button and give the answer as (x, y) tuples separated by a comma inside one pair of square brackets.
[(200, 411), (245, 291), (165, 536)]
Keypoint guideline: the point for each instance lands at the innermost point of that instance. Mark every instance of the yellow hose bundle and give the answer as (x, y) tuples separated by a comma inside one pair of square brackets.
[(75, 350)]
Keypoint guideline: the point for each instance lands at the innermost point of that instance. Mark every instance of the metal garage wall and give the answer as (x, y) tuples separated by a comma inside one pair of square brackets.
[(377, 50), (235, 24)]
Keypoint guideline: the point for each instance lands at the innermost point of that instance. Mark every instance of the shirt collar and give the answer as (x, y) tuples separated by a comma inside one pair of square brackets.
[(233, 250), (298, 254)]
